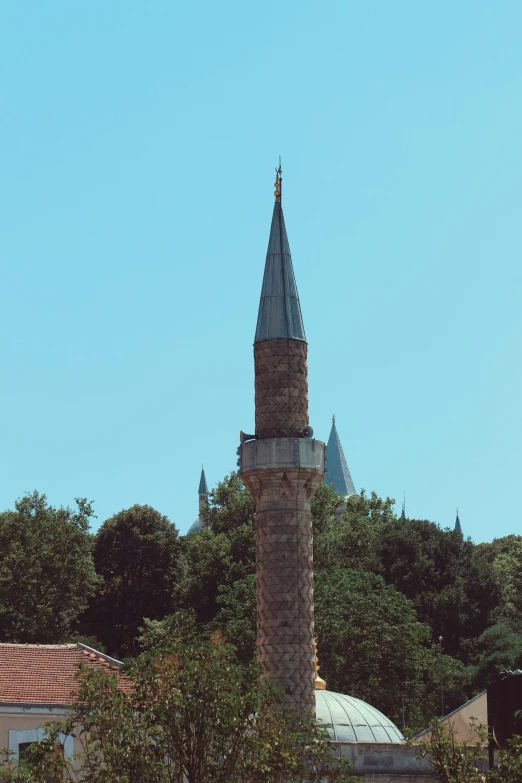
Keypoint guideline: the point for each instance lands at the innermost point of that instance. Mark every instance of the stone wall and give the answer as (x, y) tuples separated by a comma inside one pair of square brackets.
[(281, 388), (386, 762), (284, 578)]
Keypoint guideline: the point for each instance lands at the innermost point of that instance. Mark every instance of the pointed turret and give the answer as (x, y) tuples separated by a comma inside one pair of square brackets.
[(337, 472), (203, 489), (403, 512), (279, 309), (458, 526), (201, 522)]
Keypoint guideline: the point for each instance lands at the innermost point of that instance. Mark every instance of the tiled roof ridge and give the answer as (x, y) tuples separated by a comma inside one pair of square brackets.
[(32, 646), (46, 673), (69, 646), (99, 655)]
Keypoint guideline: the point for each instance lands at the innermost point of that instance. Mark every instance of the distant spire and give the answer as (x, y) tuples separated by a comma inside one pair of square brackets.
[(458, 526), (203, 489), (403, 514), (337, 472), (201, 522), (279, 309)]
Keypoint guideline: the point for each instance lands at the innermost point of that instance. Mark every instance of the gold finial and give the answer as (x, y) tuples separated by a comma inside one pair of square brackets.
[(278, 182), (319, 683)]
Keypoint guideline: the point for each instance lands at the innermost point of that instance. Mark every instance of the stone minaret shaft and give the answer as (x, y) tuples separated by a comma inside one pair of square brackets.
[(282, 465)]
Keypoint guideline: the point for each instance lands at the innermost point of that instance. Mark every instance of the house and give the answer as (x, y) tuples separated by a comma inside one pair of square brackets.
[(37, 685), (474, 711)]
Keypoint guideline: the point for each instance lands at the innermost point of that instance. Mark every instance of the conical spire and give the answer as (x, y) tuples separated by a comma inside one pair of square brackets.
[(337, 472), (203, 489), (279, 309), (458, 526)]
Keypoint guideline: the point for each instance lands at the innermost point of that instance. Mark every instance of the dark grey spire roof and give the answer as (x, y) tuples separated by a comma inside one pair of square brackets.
[(337, 472), (279, 309), (203, 482), (458, 526)]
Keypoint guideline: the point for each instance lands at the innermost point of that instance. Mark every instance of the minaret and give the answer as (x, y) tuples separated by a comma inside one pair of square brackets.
[(458, 526), (337, 471), (202, 492), (200, 523), (282, 466)]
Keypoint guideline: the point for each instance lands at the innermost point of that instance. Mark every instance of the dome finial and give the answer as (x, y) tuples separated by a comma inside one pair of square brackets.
[(319, 683), (278, 182)]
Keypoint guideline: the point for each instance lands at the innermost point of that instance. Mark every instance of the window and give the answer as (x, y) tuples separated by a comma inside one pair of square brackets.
[(19, 742), (23, 747)]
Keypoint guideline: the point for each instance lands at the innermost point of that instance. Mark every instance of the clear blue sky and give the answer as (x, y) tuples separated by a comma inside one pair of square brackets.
[(139, 142)]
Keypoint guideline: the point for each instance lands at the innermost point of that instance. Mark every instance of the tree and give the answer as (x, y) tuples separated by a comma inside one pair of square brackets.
[(349, 540), (223, 552), (509, 769), (453, 589), (462, 762), (231, 506), (137, 552), (46, 569), (190, 714), (453, 761), (237, 616), (372, 646), (498, 648), (505, 557)]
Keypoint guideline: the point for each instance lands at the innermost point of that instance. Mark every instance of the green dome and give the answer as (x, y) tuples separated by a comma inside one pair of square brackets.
[(353, 720)]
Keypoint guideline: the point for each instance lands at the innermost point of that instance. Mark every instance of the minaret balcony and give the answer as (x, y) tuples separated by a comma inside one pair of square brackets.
[(281, 453)]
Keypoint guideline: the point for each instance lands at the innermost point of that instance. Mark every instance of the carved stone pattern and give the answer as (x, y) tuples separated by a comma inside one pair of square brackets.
[(281, 388), (284, 578)]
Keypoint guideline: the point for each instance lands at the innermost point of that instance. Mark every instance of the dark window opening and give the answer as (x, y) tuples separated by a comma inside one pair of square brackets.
[(23, 747)]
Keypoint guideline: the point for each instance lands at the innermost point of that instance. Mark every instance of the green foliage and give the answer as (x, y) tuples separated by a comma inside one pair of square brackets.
[(237, 616), (222, 553), (386, 588), (498, 648), (453, 761), (46, 569), (465, 762), (137, 552), (231, 506), (349, 540), (372, 646), (324, 506), (43, 763), (509, 763), (161, 635), (352, 617), (453, 591), (189, 715)]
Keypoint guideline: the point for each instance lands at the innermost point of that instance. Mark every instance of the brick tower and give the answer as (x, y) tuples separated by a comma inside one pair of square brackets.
[(282, 465)]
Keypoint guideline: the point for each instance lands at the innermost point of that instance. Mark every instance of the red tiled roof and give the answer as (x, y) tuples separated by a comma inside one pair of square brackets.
[(43, 673)]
